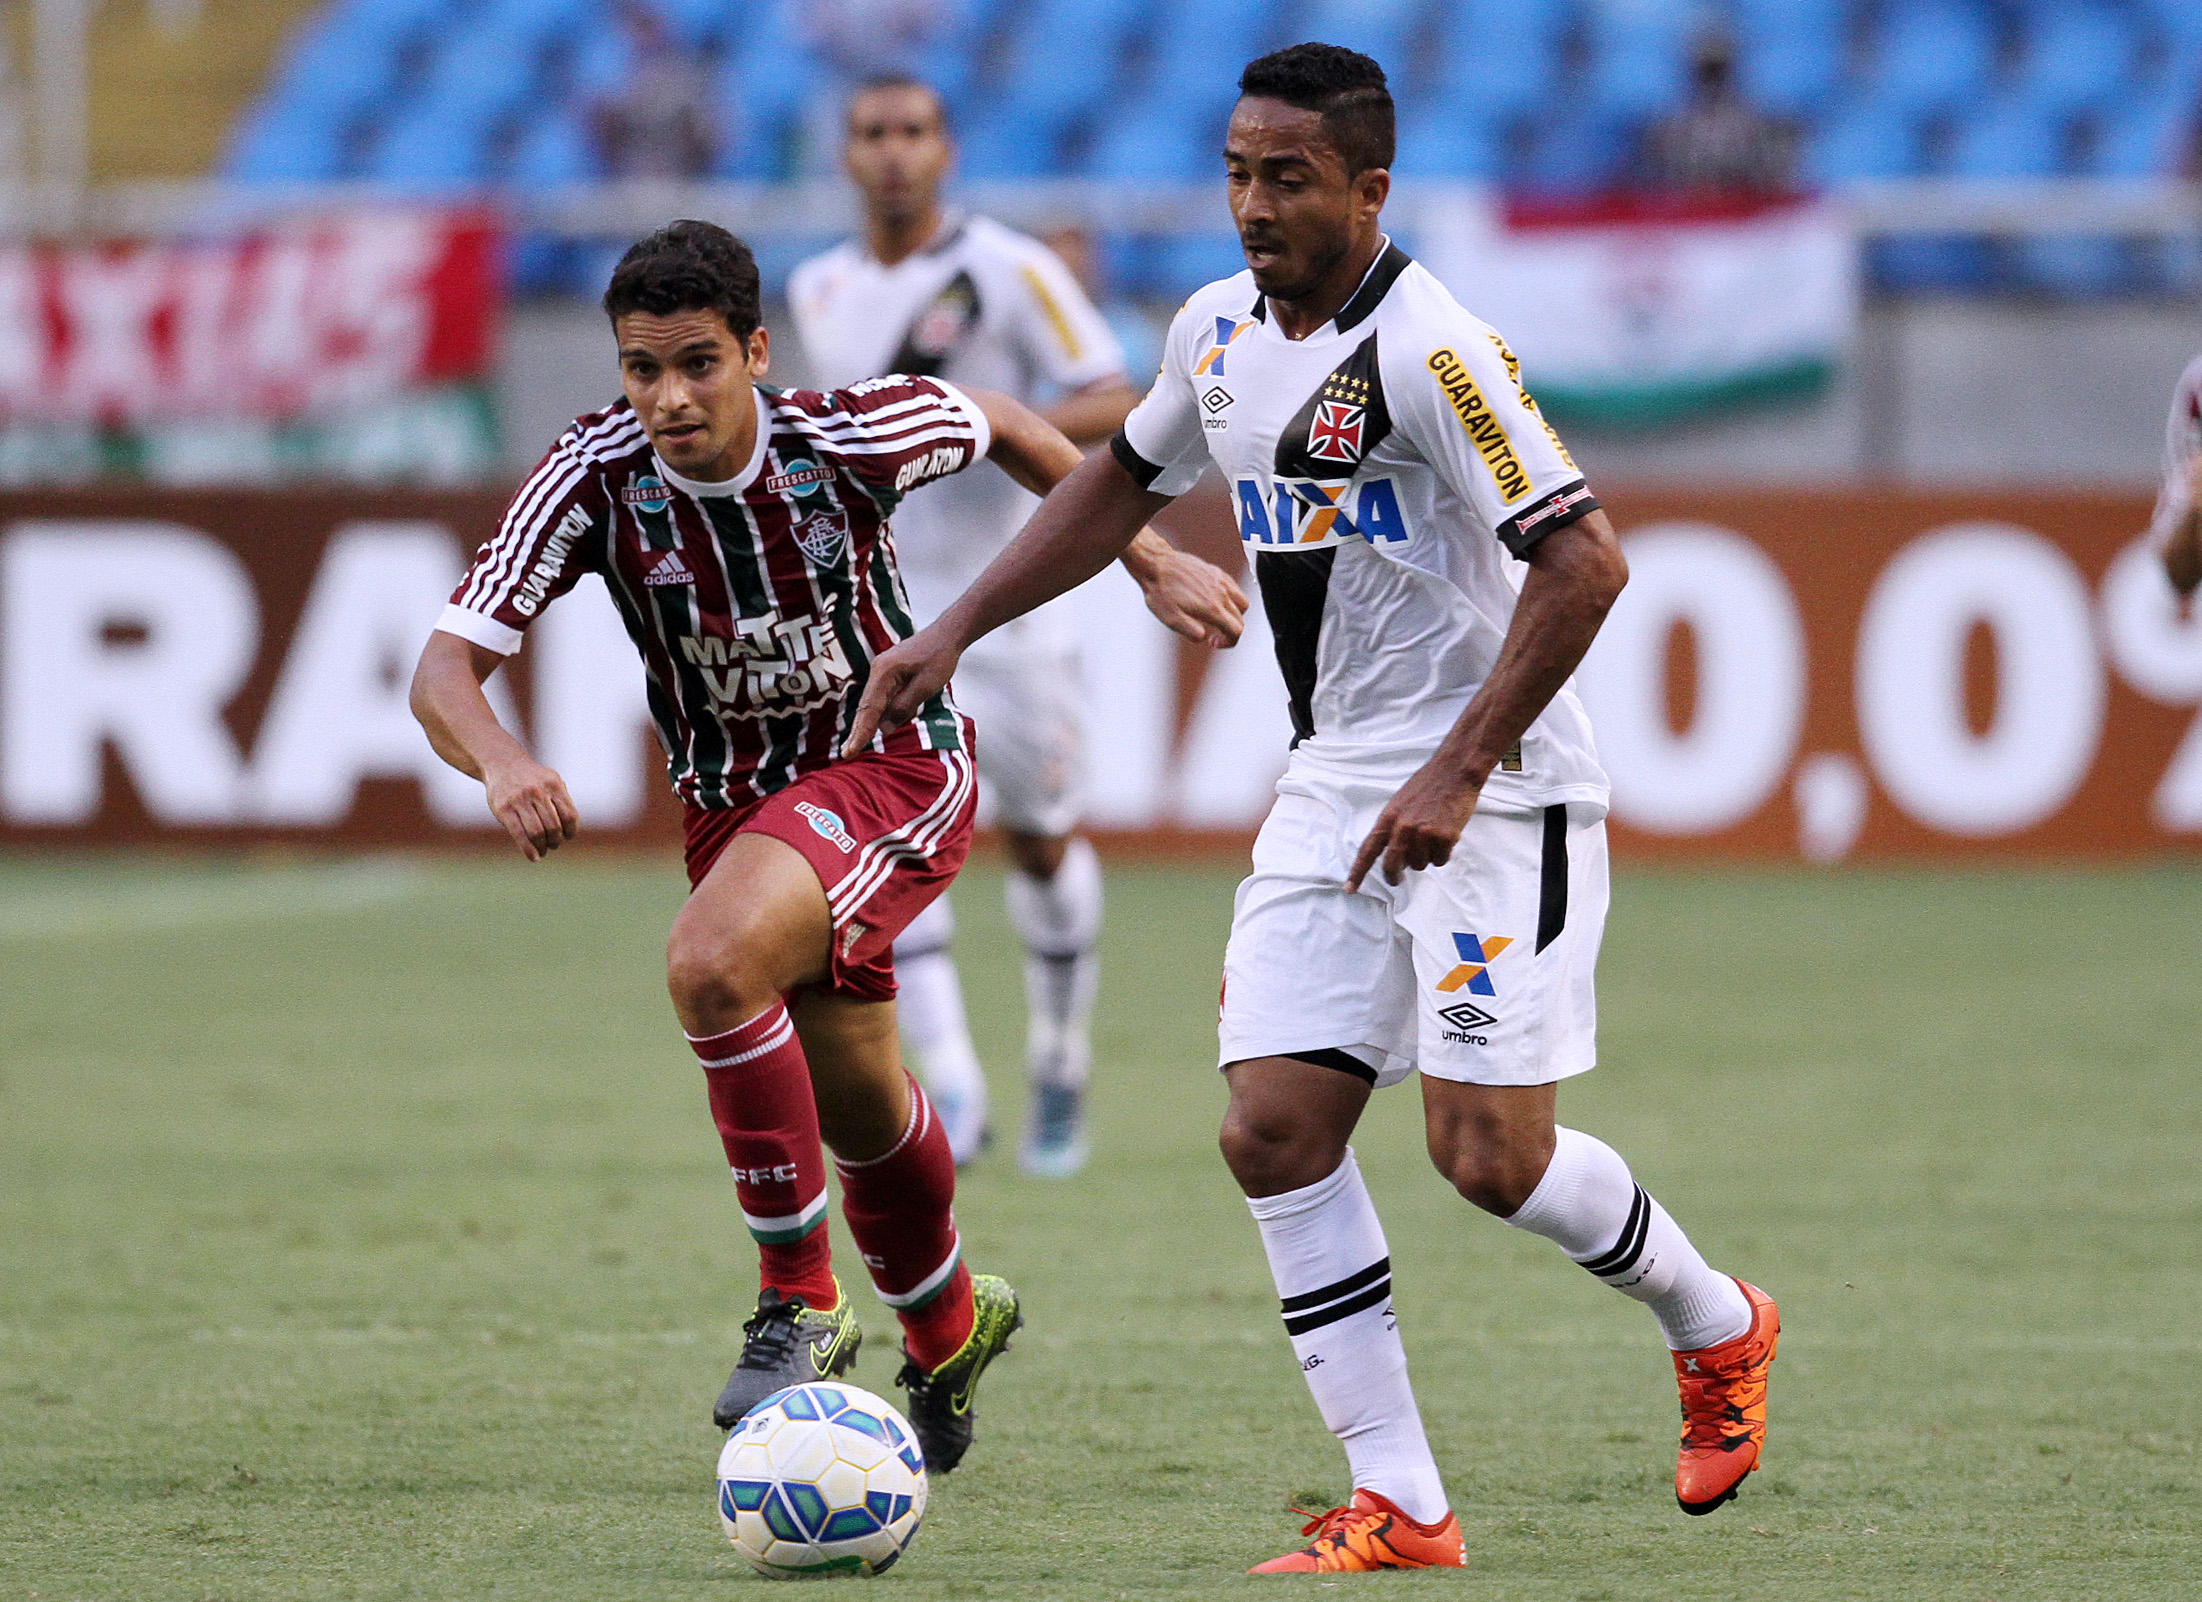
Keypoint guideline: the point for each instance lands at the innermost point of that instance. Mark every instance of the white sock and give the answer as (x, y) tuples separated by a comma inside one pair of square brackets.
[(929, 1008), (1059, 920), (1589, 1203), (1334, 1278)]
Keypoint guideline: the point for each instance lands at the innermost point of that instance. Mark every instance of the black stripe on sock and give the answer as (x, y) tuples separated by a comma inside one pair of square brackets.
[(1330, 1315), (1380, 1269), (1631, 1244), (1552, 888)]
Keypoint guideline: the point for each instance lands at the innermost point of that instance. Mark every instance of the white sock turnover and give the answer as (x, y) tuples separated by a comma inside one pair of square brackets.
[(1334, 1279), (1059, 921), (1591, 1205)]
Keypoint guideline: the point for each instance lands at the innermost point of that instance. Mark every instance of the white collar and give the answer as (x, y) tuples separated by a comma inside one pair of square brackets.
[(725, 486)]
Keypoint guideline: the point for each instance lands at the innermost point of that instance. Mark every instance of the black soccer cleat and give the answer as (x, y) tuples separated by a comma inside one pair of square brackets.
[(784, 1344), (940, 1401)]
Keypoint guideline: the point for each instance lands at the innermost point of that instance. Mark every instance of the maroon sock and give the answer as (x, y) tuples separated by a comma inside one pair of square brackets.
[(768, 1119), (901, 1209)]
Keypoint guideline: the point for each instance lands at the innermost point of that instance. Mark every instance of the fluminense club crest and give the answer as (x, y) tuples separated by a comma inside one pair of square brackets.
[(823, 537)]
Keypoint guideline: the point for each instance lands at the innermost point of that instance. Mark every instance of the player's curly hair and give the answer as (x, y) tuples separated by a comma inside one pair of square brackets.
[(1345, 86), (688, 266)]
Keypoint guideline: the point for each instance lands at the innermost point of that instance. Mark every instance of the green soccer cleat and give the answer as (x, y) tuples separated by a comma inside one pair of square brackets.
[(787, 1344), (940, 1402)]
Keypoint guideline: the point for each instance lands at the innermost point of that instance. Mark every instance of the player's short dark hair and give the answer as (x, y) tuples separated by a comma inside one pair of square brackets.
[(688, 266), (1345, 86), (896, 80)]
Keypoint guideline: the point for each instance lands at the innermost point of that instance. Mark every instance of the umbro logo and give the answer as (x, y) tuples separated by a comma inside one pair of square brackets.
[(670, 569), (1216, 398), (1466, 1015)]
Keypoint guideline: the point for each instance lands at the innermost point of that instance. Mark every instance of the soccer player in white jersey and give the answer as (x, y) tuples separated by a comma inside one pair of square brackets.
[(923, 289), (2177, 526), (1430, 889)]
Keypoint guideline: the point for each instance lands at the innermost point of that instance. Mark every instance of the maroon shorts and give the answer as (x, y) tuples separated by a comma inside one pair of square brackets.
[(884, 832)]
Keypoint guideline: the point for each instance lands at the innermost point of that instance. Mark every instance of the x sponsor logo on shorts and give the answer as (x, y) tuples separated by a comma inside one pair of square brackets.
[(1471, 976)]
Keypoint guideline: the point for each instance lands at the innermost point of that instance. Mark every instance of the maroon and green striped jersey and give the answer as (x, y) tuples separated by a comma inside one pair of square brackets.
[(758, 603)]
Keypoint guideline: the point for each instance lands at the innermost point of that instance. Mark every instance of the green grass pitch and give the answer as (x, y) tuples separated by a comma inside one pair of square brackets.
[(363, 1235)]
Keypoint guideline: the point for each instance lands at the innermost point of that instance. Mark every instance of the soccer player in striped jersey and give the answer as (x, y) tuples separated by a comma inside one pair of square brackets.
[(927, 289), (1429, 892), (743, 534)]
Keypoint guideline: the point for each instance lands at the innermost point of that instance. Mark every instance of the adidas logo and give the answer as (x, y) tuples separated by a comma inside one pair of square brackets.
[(670, 570)]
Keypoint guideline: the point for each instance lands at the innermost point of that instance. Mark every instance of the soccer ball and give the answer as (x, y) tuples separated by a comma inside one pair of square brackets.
[(821, 1479)]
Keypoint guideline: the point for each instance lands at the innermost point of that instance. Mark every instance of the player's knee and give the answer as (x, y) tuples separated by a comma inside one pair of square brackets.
[(711, 985), (1269, 1151), (1494, 1167)]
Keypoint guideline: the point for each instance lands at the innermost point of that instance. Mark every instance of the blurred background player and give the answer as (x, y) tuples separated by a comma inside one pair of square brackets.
[(924, 289), (2177, 527)]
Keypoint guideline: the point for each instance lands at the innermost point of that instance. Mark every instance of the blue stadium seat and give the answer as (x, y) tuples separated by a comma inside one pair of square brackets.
[(556, 151), (1496, 58), (1790, 54), (1200, 47), (2075, 266), (1378, 28), (1865, 139), (423, 150), (337, 69), (288, 144), (2010, 137), (1448, 141), (1926, 264), (1159, 140), (1932, 54), (2145, 135), (1037, 101), (764, 87), (2077, 54), (1639, 55), (703, 24), (1578, 152), (384, 24), (1009, 140)]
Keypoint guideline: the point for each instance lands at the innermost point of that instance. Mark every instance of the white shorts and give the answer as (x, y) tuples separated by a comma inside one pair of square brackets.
[(1025, 703), (1479, 971)]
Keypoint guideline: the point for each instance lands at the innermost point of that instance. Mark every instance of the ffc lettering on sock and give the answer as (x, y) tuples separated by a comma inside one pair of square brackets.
[(900, 1208), (761, 1100)]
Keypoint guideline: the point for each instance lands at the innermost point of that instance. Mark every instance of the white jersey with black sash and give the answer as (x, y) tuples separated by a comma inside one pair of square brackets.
[(1390, 474), (984, 307)]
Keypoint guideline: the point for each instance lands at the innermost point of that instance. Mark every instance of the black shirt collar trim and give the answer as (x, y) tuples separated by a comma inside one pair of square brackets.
[(1375, 287), (1382, 274)]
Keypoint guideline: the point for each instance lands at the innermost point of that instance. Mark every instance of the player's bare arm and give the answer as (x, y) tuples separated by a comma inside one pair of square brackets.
[(1189, 596), (529, 799), (2183, 552), (1574, 574), (1094, 411), (1088, 521)]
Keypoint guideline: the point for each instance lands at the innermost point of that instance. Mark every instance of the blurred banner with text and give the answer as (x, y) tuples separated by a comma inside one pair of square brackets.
[(357, 344), (1824, 674)]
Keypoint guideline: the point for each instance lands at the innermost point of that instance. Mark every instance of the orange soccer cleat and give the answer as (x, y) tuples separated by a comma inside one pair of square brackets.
[(1367, 1534), (1724, 1408)]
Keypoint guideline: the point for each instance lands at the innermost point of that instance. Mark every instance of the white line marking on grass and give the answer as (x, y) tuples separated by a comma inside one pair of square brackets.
[(151, 905)]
